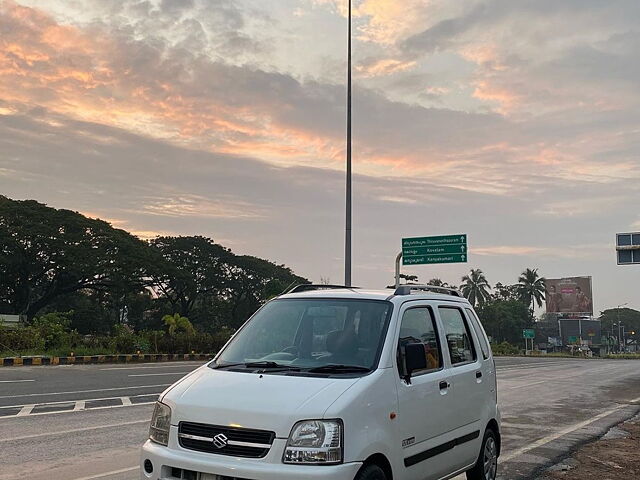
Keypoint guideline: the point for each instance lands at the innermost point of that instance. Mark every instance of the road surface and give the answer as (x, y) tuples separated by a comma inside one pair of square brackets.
[(87, 422)]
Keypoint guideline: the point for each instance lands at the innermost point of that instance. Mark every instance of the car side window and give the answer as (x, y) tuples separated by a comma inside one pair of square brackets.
[(475, 323), (418, 326), (458, 335)]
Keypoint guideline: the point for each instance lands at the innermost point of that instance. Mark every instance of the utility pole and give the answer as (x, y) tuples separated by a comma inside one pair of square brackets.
[(347, 239), (620, 340)]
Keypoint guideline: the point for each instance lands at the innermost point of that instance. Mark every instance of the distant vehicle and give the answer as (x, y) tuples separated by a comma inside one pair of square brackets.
[(337, 384)]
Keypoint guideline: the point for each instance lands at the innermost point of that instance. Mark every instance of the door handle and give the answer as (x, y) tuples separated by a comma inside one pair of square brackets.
[(444, 385), (478, 374)]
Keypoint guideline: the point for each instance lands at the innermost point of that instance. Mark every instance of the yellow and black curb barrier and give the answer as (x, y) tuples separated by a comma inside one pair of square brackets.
[(91, 359)]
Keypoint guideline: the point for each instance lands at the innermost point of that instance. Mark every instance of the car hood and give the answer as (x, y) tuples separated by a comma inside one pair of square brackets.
[(263, 402)]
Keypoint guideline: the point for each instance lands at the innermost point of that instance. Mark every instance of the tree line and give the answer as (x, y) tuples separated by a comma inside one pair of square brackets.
[(56, 260)]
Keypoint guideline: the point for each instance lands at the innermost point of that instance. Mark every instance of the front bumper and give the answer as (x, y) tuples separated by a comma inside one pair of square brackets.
[(164, 459)]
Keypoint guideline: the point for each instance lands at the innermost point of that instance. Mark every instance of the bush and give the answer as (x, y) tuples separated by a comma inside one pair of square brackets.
[(17, 340), (53, 328), (51, 334), (504, 348), (125, 340)]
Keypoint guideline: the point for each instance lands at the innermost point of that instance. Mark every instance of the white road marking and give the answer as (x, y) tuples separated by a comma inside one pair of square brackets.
[(80, 404), (74, 430), (106, 474), (563, 432), (158, 374), (182, 365), (15, 381), (57, 412), (133, 387), (126, 401), (26, 410), (523, 366), (67, 402)]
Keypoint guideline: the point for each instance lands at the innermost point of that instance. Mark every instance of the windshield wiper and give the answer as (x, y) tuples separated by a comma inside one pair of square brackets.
[(339, 368), (262, 365), (269, 365)]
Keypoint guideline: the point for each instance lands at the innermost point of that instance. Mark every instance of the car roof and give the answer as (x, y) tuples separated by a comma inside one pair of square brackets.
[(365, 294)]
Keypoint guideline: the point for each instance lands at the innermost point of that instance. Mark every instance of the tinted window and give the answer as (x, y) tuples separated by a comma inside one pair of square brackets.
[(458, 336), (479, 333), (418, 326)]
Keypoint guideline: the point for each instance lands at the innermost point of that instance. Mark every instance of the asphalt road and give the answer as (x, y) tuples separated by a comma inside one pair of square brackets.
[(87, 422)]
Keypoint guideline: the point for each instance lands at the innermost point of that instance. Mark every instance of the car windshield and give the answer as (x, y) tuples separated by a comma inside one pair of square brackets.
[(305, 334)]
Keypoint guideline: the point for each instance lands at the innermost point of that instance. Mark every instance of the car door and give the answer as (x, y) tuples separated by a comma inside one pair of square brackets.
[(487, 379), (467, 393), (425, 412)]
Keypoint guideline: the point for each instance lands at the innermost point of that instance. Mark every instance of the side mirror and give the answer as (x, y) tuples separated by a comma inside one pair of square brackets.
[(414, 359)]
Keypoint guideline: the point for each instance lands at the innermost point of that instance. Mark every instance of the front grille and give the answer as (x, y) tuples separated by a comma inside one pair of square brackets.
[(180, 474), (254, 443)]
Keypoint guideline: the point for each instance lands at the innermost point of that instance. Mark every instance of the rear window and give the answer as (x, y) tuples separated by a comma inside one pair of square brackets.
[(475, 323), (458, 335)]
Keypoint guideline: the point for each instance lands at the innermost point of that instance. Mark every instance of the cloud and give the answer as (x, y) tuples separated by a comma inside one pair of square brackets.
[(387, 66), (539, 253), (155, 87), (485, 116)]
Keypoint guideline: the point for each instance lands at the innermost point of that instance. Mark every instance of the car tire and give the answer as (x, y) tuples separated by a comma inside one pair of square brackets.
[(371, 472), (486, 467)]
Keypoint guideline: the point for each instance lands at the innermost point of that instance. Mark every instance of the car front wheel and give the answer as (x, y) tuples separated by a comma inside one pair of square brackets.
[(486, 468), (371, 472)]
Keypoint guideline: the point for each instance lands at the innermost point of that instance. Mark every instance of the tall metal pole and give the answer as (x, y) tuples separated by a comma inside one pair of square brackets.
[(347, 239)]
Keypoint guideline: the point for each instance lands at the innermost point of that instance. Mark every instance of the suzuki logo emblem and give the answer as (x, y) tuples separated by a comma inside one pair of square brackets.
[(220, 440)]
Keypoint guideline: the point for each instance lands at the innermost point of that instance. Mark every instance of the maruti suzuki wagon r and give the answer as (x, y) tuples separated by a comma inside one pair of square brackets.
[(337, 384)]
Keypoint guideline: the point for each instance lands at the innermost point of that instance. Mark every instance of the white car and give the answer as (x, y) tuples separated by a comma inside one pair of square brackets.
[(337, 384)]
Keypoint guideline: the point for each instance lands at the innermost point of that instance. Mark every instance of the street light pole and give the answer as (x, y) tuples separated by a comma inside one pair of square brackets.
[(620, 340), (347, 239)]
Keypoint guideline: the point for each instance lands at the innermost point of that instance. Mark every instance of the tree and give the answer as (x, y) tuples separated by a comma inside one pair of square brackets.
[(46, 253), (475, 287), (506, 292), (58, 260), (177, 323), (194, 267), (628, 317), (436, 282), (504, 320), (213, 286), (251, 281), (531, 288), (409, 278)]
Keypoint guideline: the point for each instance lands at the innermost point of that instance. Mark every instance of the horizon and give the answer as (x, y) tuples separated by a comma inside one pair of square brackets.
[(488, 118)]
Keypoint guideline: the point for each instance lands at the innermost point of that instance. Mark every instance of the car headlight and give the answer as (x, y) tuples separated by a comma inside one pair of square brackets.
[(160, 424), (317, 442)]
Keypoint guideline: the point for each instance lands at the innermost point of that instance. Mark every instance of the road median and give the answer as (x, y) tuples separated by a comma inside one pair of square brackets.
[(95, 359)]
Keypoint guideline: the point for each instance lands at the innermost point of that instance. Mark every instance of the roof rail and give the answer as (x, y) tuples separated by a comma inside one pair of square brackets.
[(408, 289), (307, 287)]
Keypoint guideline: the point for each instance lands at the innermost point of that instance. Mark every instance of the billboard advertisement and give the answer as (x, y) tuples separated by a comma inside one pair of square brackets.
[(569, 295)]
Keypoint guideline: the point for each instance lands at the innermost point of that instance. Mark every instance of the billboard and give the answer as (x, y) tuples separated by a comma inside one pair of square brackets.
[(569, 295)]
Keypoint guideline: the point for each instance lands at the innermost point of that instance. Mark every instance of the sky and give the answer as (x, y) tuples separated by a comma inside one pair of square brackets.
[(516, 122)]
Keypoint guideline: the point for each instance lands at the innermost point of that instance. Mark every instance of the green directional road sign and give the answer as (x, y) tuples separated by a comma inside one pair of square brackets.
[(444, 250), (528, 333), (425, 259), (439, 249)]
